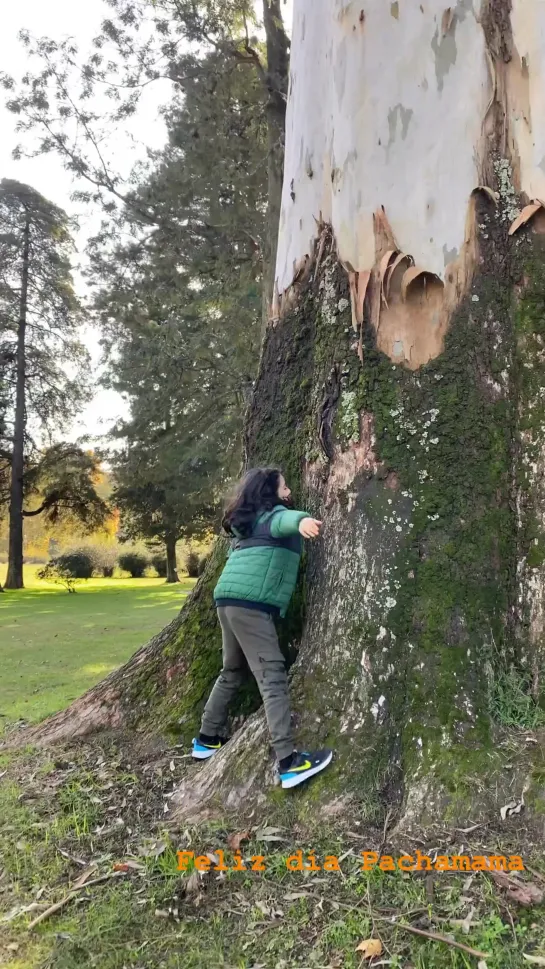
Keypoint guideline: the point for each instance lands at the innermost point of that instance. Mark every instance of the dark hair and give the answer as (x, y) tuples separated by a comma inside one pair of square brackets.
[(255, 493)]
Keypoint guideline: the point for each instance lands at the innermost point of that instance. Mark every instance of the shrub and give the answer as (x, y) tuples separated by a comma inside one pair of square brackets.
[(159, 563), (192, 565), (67, 569), (78, 561), (103, 559), (135, 563)]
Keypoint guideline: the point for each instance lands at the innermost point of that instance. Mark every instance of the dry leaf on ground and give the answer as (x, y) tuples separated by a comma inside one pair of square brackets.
[(370, 948), (524, 893), (234, 841)]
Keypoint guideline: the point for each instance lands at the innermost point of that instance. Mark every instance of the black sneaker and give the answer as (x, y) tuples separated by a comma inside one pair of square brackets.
[(305, 765)]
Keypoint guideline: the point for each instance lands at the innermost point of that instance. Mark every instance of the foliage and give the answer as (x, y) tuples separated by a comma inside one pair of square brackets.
[(134, 563), (52, 345), (192, 565), (44, 367), (68, 568), (202, 213), (180, 307), (124, 60), (64, 479)]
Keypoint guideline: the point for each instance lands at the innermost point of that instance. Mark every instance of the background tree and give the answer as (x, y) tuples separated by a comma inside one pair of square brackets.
[(43, 358), (179, 308), (140, 43)]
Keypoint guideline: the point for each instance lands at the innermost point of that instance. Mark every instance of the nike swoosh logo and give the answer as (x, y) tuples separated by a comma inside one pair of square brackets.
[(304, 766), (211, 746)]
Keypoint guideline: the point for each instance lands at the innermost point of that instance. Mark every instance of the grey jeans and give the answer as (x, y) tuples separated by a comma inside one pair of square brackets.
[(250, 637)]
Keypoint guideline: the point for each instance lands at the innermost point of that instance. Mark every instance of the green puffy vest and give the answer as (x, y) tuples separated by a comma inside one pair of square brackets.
[(263, 568)]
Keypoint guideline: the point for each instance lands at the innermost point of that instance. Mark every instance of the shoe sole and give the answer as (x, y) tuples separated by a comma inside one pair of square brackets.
[(204, 755), (294, 781)]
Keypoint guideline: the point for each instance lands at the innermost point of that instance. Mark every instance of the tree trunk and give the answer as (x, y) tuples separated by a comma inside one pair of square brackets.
[(170, 545), (276, 82), (405, 407), (14, 578)]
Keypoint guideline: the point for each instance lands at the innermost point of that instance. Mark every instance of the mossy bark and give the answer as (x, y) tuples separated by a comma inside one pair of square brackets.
[(424, 594)]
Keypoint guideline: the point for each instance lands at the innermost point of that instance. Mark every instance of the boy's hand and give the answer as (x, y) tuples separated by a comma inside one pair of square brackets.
[(310, 527)]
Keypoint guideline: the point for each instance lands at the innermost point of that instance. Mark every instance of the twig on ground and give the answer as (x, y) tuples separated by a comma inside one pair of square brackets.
[(66, 854), (72, 894), (442, 938), (535, 873)]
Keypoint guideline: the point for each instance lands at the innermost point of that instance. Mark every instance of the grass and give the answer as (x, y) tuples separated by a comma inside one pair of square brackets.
[(54, 646), (66, 809)]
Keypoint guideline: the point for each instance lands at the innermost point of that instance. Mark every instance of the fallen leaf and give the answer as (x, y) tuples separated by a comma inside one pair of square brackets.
[(121, 866), (213, 858), (153, 850), (370, 948), (293, 896), (514, 807), (13, 947), (527, 213), (133, 865), (234, 841), (524, 893), (535, 960), (161, 913), (192, 886)]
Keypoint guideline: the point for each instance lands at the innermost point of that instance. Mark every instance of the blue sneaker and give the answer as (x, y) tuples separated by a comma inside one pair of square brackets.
[(305, 765), (202, 751)]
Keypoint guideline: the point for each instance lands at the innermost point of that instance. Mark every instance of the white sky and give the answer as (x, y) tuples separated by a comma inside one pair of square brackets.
[(80, 20)]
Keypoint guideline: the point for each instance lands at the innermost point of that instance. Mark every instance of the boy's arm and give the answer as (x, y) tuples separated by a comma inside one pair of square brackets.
[(286, 523)]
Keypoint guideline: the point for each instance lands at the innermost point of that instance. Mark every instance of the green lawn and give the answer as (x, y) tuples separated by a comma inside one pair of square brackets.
[(54, 646)]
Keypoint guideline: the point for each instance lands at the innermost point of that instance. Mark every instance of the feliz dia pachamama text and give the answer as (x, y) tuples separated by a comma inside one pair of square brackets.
[(370, 859)]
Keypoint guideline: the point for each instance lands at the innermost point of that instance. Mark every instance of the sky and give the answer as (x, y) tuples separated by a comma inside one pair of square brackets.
[(59, 19), (81, 21)]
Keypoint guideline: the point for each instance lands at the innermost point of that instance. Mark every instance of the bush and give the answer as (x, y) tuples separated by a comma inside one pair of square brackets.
[(192, 565), (135, 563), (105, 561), (103, 558), (79, 561), (67, 569), (159, 563), (203, 563)]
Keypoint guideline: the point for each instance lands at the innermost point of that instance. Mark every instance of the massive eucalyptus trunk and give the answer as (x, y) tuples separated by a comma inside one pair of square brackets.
[(400, 389)]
